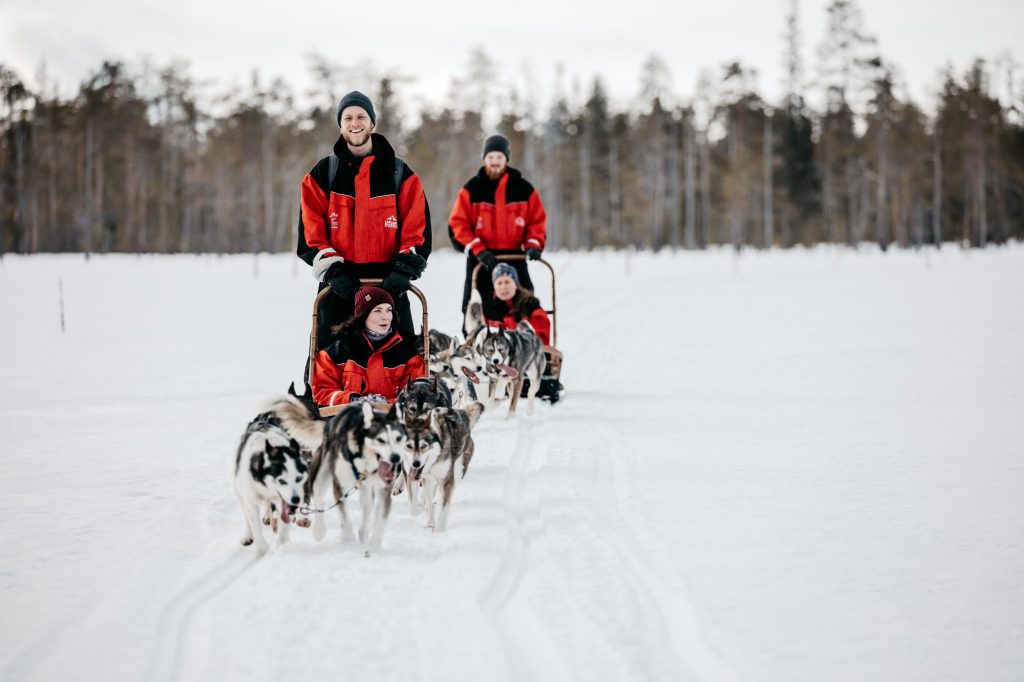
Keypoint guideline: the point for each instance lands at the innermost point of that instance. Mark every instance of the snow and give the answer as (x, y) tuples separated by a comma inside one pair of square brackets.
[(802, 465)]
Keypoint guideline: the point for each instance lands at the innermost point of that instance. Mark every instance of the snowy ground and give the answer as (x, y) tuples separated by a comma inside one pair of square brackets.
[(787, 466)]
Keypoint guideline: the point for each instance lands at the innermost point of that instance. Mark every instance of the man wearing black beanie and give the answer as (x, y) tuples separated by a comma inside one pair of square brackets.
[(363, 214), (497, 212)]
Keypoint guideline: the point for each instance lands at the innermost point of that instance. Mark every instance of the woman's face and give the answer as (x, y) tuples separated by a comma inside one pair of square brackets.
[(379, 319), (505, 288)]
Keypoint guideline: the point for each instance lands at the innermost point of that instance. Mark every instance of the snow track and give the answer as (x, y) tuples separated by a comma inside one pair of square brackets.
[(807, 466), (175, 626)]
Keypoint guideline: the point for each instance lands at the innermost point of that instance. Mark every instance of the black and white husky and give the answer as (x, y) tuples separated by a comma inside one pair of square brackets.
[(513, 356), (269, 475), (363, 448), (438, 473)]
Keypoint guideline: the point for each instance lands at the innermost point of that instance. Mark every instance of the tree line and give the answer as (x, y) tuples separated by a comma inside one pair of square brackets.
[(138, 161)]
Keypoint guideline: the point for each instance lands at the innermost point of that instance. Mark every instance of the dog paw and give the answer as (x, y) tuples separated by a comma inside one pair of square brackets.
[(246, 541), (302, 523)]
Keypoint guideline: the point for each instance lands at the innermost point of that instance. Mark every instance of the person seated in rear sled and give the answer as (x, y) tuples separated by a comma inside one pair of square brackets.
[(512, 303), (369, 360)]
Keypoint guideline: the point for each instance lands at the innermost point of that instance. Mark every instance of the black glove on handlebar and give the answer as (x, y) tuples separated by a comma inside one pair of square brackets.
[(487, 259), (340, 282), (532, 253), (396, 283)]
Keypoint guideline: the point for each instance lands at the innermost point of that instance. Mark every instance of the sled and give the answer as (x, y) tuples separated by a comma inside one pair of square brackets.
[(553, 369), (327, 411)]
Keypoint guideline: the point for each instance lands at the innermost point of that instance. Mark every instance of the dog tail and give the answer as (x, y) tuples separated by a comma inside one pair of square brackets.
[(301, 420), (474, 314), (473, 411), (524, 327)]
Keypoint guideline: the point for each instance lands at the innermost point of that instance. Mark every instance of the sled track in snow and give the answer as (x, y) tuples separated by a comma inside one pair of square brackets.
[(180, 610), (666, 606), (529, 655)]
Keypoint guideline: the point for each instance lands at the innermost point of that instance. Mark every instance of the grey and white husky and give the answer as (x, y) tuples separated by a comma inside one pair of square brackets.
[(269, 475), (363, 448), (513, 356), (458, 365), (453, 428), (424, 447)]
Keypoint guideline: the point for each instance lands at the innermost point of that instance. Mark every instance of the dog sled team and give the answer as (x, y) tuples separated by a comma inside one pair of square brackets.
[(386, 412)]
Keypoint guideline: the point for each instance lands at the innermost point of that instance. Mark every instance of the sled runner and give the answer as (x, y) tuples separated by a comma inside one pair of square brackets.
[(551, 386), (326, 411)]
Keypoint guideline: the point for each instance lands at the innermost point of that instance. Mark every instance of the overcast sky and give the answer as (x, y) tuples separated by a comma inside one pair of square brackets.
[(431, 40)]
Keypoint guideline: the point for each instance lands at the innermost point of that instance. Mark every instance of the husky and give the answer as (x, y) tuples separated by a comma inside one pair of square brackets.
[(458, 365), (270, 472), (452, 427), (420, 397), (424, 447), (513, 356), (363, 448)]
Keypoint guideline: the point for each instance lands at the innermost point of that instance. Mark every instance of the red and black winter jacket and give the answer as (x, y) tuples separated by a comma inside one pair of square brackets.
[(503, 216), (499, 313), (356, 366), (359, 222)]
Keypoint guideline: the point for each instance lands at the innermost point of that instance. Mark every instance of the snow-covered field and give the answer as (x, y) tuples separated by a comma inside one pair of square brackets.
[(786, 466)]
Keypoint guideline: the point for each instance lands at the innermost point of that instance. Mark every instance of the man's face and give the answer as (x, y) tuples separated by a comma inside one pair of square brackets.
[(495, 164), (355, 126)]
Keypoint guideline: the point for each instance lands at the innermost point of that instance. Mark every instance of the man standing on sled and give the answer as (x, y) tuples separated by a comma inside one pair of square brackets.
[(363, 215), (497, 212)]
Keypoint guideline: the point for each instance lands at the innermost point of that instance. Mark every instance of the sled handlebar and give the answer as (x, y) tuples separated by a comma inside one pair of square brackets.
[(551, 312)]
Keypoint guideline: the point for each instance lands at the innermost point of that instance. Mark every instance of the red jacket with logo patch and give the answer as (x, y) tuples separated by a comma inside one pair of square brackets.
[(503, 216), (359, 221), (355, 366)]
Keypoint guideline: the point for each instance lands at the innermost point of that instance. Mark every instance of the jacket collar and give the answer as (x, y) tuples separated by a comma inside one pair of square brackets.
[(383, 155)]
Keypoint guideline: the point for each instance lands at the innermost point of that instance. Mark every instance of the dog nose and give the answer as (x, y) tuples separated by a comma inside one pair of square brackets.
[(416, 464), (296, 499), (395, 459)]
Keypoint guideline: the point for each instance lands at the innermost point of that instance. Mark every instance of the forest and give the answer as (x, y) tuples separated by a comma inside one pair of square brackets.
[(143, 158)]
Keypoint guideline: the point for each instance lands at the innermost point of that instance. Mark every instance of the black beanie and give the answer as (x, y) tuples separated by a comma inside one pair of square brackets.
[(356, 99), (498, 143)]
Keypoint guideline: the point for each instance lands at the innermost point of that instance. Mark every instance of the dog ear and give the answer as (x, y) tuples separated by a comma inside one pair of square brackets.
[(294, 446), (454, 345), (367, 415), (436, 415), (291, 390), (395, 412)]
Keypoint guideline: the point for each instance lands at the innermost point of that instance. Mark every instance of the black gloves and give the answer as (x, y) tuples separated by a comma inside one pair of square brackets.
[(487, 259), (409, 264), (404, 267), (396, 283), (532, 253), (341, 283)]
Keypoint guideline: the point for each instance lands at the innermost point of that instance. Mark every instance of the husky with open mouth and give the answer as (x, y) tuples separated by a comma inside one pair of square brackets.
[(269, 477), (513, 356), (363, 448), (456, 364)]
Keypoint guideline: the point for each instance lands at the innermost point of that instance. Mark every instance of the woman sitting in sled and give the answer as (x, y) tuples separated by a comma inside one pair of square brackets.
[(368, 359)]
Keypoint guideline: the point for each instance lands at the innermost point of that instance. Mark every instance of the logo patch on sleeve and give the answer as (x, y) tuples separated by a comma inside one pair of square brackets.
[(391, 222)]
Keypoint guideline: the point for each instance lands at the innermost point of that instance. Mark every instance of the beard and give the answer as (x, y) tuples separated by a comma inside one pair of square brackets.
[(357, 140), (494, 173)]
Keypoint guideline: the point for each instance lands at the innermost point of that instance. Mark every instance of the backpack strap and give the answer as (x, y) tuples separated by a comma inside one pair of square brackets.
[(399, 172), (333, 172)]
